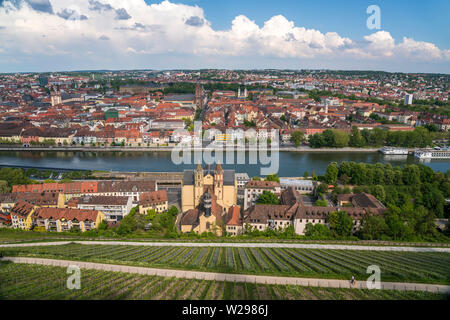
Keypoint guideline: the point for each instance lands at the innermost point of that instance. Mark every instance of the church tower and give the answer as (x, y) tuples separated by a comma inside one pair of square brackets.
[(55, 97), (198, 184), (218, 182), (199, 95), (207, 204)]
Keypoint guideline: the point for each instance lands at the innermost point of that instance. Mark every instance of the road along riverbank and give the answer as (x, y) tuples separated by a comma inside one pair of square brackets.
[(168, 149)]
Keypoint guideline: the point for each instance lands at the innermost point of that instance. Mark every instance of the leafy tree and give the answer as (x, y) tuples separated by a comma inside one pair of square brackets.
[(103, 226), (14, 177), (317, 231), (379, 192), (356, 139), (316, 141), (268, 197), (128, 224), (331, 174), (433, 199), (397, 229), (345, 179), (322, 188), (411, 175), (4, 186), (340, 139), (173, 211), (373, 227), (298, 137), (340, 224)]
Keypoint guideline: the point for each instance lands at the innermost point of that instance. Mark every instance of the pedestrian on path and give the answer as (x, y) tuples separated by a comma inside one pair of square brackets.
[(353, 281)]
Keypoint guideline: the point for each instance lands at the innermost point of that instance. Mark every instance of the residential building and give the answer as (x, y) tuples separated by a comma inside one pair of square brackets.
[(156, 200), (234, 224), (115, 208), (409, 99), (242, 180), (21, 215), (301, 186), (254, 189), (66, 219)]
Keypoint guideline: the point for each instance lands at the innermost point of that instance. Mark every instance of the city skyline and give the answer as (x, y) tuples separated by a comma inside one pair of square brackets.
[(53, 35)]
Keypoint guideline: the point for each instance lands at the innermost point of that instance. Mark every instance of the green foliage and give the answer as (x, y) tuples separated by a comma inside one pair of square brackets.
[(4, 188), (321, 203), (273, 177), (356, 139), (331, 174), (268, 197), (103, 226), (340, 224), (173, 211), (414, 194), (419, 138), (128, 224), (250, 124), (373, 227), (317, 231), (322, 188), (298, 137), (14, 177)]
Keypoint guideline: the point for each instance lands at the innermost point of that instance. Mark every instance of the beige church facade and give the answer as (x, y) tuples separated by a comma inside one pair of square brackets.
[(206, 197), (222, 182)]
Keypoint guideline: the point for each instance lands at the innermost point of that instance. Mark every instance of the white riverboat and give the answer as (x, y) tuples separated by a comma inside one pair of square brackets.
[(436, 153), (394, 151)]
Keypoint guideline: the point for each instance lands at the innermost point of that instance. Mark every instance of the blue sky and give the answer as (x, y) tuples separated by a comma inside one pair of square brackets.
[(88, 34), (420, 19)]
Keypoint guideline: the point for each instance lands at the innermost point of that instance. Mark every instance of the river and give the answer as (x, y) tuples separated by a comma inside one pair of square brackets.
[(291, 164)]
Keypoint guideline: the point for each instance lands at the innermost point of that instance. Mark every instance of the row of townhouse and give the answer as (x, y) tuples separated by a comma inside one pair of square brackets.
[(27, 135), (114, 207), (130, 188), (66, 219), (27, 216)]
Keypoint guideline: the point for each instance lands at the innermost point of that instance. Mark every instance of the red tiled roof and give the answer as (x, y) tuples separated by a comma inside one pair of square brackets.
[(153, 197), (234, 216), (22, 208), (66, 213)]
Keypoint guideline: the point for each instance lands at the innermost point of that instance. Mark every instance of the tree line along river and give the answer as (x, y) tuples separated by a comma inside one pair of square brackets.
[(291, 164)]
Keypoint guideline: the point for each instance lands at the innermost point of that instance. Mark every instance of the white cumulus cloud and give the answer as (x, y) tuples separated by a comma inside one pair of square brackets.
[(133, 27)]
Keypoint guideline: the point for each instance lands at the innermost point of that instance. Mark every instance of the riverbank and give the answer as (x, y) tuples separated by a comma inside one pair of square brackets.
[(169, 149)]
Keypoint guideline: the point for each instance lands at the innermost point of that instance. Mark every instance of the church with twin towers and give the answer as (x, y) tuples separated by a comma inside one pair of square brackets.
[(220, 184)]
